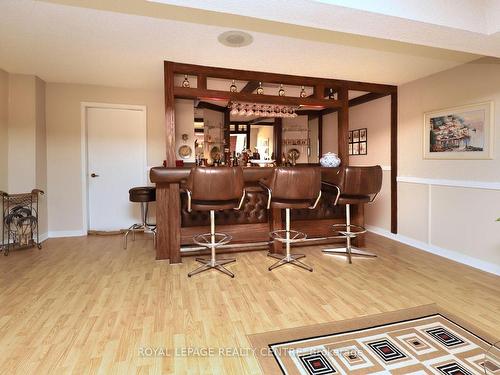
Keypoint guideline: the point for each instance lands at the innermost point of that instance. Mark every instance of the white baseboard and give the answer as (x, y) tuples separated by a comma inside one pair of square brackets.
[(445, 253), (43, 237), (66, 233)]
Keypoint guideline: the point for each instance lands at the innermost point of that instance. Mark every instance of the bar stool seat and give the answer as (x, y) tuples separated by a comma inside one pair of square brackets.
[(353, 199), (214, 189), (355, 186), (292, 188), (143, 195)]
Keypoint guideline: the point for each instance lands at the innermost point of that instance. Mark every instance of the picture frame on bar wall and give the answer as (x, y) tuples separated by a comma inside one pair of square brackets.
[(358, 142)]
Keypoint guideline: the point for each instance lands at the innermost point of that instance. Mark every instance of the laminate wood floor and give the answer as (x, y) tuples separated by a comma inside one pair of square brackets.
[(85, 305)]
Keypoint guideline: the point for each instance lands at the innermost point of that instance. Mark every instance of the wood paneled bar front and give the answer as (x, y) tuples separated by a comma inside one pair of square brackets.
[(171, 226), (250, 225)]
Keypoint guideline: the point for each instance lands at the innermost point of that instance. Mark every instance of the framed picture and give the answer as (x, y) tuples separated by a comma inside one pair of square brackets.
[(350, 148), (362, 148), (363, 134), (355, 136), (355, 148), (464, 132)]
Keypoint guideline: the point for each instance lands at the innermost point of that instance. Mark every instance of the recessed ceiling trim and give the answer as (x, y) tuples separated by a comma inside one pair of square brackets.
[(235, 38)]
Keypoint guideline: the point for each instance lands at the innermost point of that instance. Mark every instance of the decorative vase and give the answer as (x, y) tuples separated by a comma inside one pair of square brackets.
[(330, 160)]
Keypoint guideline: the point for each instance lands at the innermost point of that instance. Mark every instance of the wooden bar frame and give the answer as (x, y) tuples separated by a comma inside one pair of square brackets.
[(168, 196)]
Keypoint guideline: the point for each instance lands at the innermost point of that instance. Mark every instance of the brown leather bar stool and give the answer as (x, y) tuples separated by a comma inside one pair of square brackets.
[(143, 195), (292, 188), (211, 189), (356, 185)]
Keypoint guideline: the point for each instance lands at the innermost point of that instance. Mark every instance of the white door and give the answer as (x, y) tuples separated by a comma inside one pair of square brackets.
[(116, 162)]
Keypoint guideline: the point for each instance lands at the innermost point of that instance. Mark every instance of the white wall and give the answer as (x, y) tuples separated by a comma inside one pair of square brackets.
[(457, 221)]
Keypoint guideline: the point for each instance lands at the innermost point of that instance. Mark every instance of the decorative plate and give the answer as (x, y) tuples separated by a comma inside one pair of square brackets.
[(214, 152), (185, 152), (293, 153)]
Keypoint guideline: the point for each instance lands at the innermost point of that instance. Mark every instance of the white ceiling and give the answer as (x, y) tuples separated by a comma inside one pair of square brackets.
[(461, 25), (124, 43)]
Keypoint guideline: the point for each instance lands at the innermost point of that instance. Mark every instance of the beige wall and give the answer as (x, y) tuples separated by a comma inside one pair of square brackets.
[(456, 219), (24, 138), (64, 142), (184, 124), (22, 133), (375, 116), (41, 152), (330, 133), (4, 103), (294, 128)]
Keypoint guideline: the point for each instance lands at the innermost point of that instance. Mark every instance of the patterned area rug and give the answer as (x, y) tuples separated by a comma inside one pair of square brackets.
[(423, 340)]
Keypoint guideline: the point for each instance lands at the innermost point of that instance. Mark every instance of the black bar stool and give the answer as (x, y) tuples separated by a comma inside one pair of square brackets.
[(355, 185), (211, 189), (289, 188), (143, 195)]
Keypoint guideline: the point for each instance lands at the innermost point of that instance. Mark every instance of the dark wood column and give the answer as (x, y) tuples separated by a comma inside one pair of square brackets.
[(320, 135), (227, 132), (168, 201), (343, 126), (394, 162), (277, 138)]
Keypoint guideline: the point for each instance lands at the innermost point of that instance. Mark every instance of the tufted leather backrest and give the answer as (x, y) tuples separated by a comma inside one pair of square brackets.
[(216, 183), (361, 180), (295, 183)]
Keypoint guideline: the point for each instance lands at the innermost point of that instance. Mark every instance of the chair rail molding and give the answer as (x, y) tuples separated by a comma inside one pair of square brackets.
[(487, 185)]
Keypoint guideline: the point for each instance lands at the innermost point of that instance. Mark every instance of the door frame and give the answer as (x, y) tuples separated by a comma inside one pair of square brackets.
[(84, 146)]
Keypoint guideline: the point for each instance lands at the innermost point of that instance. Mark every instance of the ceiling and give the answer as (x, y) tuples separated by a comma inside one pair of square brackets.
[(123, 43)]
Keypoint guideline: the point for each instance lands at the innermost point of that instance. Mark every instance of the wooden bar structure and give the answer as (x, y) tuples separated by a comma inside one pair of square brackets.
[(168, 193)]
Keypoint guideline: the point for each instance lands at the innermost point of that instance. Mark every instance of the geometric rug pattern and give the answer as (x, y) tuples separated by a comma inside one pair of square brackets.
[(426, 345)]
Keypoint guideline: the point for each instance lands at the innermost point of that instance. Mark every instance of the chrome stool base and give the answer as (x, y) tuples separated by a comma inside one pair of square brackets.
[(349, 231), (217, 264), (292, 259), (352, 251), (211, 241), (288, 237), (144, 226), (139, 227)]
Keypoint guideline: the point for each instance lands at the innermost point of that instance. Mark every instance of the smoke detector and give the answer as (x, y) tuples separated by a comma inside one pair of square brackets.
[(235, 38)]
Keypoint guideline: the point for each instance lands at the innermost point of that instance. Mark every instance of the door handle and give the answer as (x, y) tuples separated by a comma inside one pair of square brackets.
[(93, 175)]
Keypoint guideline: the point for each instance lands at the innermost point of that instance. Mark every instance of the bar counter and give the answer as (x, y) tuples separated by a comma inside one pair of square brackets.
[(249, 226)]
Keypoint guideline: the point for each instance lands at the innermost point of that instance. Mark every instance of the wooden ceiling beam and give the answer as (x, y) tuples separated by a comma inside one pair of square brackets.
[(356, 101), (211, 106), (250, 87), (247, 75), (365, 98), (195, 93)]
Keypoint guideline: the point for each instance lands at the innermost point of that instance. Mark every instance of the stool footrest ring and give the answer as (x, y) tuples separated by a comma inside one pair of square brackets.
[(294, 236), (205, 239), (358, 229)]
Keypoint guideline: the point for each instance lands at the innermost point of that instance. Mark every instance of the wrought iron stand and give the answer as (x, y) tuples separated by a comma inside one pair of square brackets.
[(20, 221)]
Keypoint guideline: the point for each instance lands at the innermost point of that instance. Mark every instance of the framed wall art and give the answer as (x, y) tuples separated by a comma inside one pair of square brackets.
[(461, 133)]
